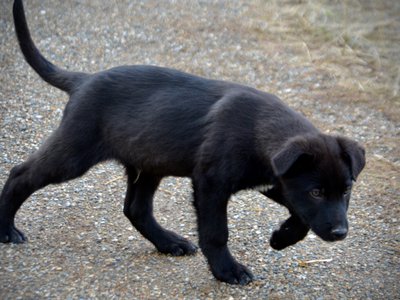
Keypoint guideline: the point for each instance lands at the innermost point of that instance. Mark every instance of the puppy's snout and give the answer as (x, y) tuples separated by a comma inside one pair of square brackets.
[(339, 233)]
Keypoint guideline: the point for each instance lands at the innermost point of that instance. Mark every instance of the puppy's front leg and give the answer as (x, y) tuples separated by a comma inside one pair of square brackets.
[(275, 193), (291, 231), (211, 206)]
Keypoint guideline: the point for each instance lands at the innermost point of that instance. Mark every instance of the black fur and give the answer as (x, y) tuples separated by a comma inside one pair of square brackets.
[(161, 122)]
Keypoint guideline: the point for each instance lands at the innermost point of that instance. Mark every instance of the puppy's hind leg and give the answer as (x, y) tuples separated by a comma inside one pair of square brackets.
[(60, 159), (139, 210)]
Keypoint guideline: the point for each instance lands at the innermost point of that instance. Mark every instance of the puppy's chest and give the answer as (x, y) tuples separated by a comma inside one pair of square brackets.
[(263, 188), (257, 178)]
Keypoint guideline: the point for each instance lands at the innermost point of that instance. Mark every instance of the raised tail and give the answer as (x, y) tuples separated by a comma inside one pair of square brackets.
[(62, 79)]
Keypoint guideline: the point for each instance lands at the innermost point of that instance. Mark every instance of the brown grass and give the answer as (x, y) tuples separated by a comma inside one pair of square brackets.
[(356, 42)]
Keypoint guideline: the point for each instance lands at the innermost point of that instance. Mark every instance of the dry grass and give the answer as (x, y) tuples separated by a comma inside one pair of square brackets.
[(355, 42)]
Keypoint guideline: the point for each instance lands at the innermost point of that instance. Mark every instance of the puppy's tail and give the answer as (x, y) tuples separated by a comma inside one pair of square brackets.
[(62, 79)]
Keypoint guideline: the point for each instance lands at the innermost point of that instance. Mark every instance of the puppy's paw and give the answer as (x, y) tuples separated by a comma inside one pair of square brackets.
[(178, 249), (233, 273), (290, 232), (280, 240), (10, 234), (287, 236), (176, 246)]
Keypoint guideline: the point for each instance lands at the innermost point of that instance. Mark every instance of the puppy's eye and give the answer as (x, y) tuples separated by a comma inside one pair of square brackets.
[(317, 193)]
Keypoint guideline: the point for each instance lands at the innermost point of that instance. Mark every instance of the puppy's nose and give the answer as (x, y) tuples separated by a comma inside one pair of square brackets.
[(339, 232)]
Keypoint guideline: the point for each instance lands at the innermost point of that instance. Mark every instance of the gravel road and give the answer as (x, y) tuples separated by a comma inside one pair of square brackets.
[(80, 244)]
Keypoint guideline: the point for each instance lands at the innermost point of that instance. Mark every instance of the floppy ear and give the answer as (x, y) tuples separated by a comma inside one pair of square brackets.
[(284, 159), (354, 154)]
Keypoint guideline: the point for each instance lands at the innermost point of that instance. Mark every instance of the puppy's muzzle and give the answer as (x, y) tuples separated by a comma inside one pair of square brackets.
[(338, 233)]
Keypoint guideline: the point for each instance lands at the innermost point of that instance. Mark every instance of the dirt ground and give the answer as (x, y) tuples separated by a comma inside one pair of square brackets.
[(337, 62)]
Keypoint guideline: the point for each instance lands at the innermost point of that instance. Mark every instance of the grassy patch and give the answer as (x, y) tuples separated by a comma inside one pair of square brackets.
[(355, 42)]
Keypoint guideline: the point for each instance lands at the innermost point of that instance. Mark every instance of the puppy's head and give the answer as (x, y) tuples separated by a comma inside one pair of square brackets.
[(316, 173)]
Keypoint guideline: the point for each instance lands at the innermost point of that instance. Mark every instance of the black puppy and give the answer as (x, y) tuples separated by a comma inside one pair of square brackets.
[(226, 137)]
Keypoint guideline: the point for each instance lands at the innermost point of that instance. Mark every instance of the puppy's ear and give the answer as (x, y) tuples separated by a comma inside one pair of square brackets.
[(354, 155), (286, 157)]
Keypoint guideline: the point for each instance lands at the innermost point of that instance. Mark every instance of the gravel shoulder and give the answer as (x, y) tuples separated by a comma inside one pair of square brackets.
[(80, 244)]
